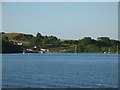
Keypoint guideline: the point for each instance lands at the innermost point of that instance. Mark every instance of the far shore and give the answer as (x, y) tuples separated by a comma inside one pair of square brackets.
[(58, 52)]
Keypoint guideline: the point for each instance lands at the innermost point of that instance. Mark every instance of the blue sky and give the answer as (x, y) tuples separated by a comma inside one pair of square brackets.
[(66, 20)]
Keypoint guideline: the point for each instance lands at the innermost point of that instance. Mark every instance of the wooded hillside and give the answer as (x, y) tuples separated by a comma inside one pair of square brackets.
[(54, 44)]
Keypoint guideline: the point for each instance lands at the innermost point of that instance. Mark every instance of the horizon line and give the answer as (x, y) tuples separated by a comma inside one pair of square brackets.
[(61, 38)]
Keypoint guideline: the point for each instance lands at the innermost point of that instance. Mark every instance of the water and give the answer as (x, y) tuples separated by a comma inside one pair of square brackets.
[(60, 70)]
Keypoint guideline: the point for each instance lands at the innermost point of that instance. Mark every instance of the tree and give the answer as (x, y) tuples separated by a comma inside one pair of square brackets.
[(103, 41), (2, 32), (23, 37), (44, 42), (86, 41), (37, 41), (38, 35), (80, 48), (5, 38)]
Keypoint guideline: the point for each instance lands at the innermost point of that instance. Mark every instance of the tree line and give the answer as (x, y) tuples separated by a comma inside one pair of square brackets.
[(54, 44)]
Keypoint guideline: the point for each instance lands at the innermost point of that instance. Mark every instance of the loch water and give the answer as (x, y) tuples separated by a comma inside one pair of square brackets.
[(60, 70)]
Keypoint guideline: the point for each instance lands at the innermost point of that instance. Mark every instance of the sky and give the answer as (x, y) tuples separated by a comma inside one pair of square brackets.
[(65, 20)]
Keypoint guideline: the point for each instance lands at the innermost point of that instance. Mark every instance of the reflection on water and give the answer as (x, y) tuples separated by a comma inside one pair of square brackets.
[(60, 70)]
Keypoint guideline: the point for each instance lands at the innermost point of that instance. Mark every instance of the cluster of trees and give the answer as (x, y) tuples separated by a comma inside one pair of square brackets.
[(45, 41), (23, 37), (102, 44)]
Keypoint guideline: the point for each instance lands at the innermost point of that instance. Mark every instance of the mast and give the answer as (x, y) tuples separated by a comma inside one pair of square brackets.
[(117, 49), (75, 49), (109, 49)]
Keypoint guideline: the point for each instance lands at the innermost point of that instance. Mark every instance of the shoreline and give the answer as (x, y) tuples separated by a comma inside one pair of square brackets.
[(61, 53)]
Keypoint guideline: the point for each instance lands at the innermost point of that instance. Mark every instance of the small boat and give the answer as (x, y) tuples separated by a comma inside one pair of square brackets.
[(23, 52)]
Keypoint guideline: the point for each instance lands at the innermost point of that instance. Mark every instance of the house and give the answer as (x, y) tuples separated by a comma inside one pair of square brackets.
[(28, 48), (45, 50), (31, 48), (34, 49), (18, 43)]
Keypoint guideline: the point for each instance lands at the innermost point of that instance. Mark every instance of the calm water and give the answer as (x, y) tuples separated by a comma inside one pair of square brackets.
[(63, 70)]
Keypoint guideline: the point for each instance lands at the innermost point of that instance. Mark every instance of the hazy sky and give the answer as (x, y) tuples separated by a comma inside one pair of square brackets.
[(66, 20)]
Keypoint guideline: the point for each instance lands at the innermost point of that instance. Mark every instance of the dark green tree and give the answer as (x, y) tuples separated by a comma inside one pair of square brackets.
[(37, 41), (5, 38)]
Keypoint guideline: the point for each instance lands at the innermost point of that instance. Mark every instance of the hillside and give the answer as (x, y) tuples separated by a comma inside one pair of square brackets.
[(18, 36), (86, 44), (24, 42), (11, 35)]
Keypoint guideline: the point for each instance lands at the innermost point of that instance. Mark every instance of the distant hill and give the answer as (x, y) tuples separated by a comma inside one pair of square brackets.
[(11, 35), (23, 37), (18, 36)]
